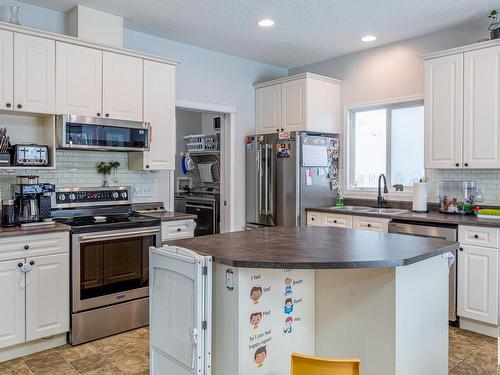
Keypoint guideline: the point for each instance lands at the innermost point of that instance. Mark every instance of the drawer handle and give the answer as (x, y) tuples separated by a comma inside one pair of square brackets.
[(461, 248), (368, 225), (32, 262), (312, 219), (335, 221), (26, 247), (476, 236), (19, 106), (179, 229)]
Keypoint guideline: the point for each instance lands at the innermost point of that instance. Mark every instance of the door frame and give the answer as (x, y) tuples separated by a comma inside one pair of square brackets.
[(227, 200)]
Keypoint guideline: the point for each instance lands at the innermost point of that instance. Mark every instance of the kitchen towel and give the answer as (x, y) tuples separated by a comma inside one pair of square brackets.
[(420, 196)]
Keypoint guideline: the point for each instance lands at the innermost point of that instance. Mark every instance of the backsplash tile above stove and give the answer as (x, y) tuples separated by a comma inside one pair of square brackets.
[(78, 169)]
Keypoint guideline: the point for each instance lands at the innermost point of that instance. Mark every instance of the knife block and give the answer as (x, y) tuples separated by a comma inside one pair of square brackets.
[(5, 159)]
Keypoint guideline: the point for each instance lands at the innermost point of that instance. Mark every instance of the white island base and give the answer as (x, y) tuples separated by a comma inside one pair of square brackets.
[(394, 319)]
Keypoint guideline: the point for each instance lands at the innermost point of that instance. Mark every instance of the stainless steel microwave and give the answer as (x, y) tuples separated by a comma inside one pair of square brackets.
[(104, 134)]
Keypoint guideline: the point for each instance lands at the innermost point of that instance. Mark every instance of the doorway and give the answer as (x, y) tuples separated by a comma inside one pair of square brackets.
[(204, 173)]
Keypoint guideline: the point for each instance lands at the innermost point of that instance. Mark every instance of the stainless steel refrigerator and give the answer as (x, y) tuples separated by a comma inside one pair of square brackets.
[(287, 172)]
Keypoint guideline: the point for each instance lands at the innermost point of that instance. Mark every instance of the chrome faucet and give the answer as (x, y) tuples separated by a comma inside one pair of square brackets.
[(380, 199)]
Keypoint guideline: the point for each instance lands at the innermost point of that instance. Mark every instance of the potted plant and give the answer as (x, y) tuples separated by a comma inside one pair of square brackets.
[(105, 170), (494, 25)]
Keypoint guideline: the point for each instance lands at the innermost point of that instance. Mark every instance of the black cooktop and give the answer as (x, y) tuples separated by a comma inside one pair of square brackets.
[(83, 224)]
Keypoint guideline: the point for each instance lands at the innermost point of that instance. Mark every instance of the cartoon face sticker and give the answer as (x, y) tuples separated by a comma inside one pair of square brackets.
[(255, 294), (255, 319), (288, 325), (288, 285), (288, 306), (260, 356)]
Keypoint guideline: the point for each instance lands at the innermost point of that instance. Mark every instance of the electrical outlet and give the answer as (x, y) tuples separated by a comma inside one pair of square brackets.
[(144, 190)]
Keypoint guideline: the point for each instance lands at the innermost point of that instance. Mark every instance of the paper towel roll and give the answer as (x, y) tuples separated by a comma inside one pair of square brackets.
[(420, 196)]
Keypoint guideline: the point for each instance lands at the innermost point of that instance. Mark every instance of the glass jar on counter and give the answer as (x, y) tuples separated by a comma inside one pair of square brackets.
[(457, 197), (8, 213)]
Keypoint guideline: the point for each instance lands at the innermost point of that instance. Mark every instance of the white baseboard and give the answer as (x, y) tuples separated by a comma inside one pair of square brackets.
[(479, 327), (31, 347)]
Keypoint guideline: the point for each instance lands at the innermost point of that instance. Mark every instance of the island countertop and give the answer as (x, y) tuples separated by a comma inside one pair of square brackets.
[(315, 248)]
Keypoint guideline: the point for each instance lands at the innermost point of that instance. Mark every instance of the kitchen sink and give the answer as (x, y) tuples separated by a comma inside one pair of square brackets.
[(352, 208), (386, 211)]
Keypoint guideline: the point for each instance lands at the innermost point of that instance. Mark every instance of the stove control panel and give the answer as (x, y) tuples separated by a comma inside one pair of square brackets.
[(92, 196)]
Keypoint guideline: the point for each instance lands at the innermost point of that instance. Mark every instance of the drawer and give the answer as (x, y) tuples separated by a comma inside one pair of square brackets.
[(177, 230), (478, 236), (339, 221), (370, 223), (314, 218), (34, 245)]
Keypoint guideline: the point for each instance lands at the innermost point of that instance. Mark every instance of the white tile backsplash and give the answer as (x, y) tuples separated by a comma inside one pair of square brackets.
[(78, 169)]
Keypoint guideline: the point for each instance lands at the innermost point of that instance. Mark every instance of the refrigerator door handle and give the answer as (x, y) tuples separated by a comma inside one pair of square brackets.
[(266, 181), (270, 183), (259, 171)]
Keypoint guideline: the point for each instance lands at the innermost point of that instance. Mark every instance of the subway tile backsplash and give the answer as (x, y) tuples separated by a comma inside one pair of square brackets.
[(78, 169)]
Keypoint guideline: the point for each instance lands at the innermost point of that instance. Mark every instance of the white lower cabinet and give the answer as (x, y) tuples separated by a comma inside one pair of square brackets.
[(47, 296), (326, 219), (34, 286), (478, 283), (12, 327)]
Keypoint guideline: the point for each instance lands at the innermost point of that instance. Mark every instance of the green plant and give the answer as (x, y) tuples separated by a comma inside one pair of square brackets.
[(494, 23), (106, 168)]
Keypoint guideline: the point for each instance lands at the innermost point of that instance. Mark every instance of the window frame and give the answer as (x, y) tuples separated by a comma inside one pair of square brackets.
[(349, 153)]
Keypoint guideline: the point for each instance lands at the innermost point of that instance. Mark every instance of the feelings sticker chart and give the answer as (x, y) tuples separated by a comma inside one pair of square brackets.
[(276, 318)]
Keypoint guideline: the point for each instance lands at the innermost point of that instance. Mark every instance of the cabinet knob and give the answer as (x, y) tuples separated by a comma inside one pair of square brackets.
[(335, 221), (98, 114), (282, 129), (461, 248), (466, 164), (179, 229), (8, 105), (277, 130), (312, 219), (26, 247), (19, 265), (369, 225), (32, 262), (107, 114), (19, 106), (457, 165), (476, 236), (147, 165)]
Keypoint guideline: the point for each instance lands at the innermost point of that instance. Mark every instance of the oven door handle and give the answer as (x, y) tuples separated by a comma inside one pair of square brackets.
[(85, 238), (211, 208)]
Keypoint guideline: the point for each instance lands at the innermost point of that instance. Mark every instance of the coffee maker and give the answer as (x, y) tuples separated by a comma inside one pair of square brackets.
[(32, 201)]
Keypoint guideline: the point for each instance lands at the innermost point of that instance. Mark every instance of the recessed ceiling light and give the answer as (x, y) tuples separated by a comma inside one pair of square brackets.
[(368, 38), (266, 22)]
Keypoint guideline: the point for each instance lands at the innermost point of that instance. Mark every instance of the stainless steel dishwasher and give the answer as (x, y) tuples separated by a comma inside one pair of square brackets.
[(444, 231)]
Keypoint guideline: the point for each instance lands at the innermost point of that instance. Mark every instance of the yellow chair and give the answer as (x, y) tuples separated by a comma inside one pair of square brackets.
[(309, 365)]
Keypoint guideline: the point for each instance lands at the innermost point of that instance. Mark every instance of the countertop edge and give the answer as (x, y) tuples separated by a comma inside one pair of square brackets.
[(18, 231)]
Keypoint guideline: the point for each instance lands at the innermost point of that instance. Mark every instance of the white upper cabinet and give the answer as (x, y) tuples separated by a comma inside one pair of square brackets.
[(78, 80), (462, 108), (294, 104), (443, 112), (268, 109), (122, 87), (298, 103), (47, 296), (12, 327), (482, 108), (6, 69), (34, 74)]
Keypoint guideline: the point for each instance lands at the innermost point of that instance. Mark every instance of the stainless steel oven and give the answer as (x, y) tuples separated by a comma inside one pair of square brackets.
[(111, 267)]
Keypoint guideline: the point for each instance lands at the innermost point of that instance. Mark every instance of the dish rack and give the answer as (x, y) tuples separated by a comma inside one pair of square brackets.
[(202, 143)]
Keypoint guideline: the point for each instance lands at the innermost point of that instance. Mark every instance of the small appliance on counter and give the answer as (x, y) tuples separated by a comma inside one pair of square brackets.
[(457, 197), (8, 213), (30, 155), (32, 201)]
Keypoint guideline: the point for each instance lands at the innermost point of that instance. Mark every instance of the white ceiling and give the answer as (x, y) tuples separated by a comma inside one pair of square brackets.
[(306, 31)]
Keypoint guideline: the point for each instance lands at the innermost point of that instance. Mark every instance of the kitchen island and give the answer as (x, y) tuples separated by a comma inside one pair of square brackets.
[(322, 291)]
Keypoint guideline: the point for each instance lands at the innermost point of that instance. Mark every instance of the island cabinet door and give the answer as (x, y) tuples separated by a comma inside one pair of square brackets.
[(478, 283), (47, 296), (12, 306)]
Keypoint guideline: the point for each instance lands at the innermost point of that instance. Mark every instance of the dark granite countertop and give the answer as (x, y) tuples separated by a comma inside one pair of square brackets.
[(18, 231), (315, 248), (170, 216), (430, 217)]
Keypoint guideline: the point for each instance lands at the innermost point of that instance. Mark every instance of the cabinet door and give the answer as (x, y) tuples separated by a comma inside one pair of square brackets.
[(12, 328), (34, 74), (294, 105), (268, 109), (78, 80), (444, 112), (478, 283), (122, 87), (6, 70), (482, 108), (47, 296), (159, 111)]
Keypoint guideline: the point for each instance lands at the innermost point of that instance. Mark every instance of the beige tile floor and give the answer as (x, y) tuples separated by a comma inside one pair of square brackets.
[(128, 353)]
